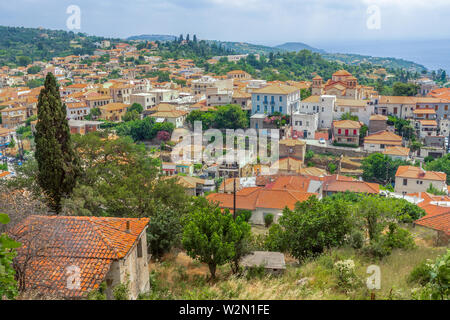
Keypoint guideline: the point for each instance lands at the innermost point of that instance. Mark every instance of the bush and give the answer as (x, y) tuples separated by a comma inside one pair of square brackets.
[(275, 239), (268, 220), (377, 249), (345, 271), (399, 238), (121, 292), (356, 240), (255, 272), (421, 273), (245, 214)]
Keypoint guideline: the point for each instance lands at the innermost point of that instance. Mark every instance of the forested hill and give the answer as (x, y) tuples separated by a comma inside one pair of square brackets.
[(20, 45)]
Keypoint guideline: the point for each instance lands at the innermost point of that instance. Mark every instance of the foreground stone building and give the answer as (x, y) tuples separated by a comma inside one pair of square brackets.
[(69, 256)]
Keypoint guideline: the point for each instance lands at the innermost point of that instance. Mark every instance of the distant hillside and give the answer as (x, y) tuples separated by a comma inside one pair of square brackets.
[(245, 47), (153, 37), (357, 59), (298, 46), (21, 46)]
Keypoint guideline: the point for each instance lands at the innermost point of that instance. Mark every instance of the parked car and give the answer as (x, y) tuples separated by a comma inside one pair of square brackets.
[(322, 141)]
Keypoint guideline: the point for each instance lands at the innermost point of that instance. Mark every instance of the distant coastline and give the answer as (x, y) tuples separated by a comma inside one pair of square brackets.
[(433, 54)]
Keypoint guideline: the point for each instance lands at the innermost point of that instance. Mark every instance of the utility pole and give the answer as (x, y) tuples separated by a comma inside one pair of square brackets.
[(234, 198)]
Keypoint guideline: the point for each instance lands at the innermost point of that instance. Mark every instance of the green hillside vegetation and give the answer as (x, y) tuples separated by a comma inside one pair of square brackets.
[(21, 46), (298, 46), (357, 59)]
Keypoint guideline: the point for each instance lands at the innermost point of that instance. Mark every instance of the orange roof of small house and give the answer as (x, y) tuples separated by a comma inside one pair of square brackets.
[(424, 111), (342, 73), (352, 186), (428, 123), (277, 89), (396, 151), (89, 243), (378, 117), (439, 219), (347, 124), (419, 173), (384, 137)]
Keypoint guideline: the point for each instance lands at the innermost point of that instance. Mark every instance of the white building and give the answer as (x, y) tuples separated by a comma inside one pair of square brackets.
[(275, 98)]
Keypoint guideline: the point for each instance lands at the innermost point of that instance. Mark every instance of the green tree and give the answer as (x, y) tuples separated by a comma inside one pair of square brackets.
[(137, 107), (8, 284), (440, 164), (314, 225), (405, 89), (57, 162), (349, 116), (230, 117), (210, 236), (165, 231), (380, 168)]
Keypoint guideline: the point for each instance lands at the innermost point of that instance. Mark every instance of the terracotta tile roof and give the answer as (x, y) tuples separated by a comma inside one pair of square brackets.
[(396, 151), (347, 124), (89, 243), (352, 186), (419, 173), (424, 111), (428, 123), (257, 197), (378, 117), (277, 89), (437, 219), (342, 73), (384, 137)]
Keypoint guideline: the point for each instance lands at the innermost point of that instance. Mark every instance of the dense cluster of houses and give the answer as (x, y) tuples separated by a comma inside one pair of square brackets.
[(260, 188)]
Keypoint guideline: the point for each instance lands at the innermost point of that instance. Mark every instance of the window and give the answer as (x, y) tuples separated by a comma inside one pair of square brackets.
[(281, 99), (281, 109), (257, 98), (354, 132), (446, 108), (139, 249), (405, 182), (273, 109), (257, 108), (339, 131)]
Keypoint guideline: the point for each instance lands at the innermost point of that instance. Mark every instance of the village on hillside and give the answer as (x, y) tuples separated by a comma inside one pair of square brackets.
[(358, 172)]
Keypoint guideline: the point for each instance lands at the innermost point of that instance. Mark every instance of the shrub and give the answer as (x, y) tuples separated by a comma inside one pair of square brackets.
[(377, 249), (345, 271), (245, 214), (121, 291), (255, 272), (275, 239), (268, 220), (399, 238), (356, 240), (421, 273)]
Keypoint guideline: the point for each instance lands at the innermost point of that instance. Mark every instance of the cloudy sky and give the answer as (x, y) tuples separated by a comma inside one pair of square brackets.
[(269, 22)]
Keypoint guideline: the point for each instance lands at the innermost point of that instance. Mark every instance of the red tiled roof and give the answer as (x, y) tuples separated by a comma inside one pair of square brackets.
[(438, 218), (419, 173), (89, 243)]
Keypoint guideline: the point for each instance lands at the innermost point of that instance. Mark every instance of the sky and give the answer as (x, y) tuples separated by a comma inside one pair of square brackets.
[(268, 22)]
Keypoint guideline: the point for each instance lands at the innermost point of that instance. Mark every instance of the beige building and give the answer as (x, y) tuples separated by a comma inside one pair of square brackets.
[(113, 111), (410, 179), (342, 85), (378, 142), (346, 132)]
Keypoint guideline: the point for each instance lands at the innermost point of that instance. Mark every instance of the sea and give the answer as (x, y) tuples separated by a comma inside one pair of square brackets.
[(433, 54)]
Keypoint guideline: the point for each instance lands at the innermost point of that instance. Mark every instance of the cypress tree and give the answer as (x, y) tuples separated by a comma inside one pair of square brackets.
[(57, 162)]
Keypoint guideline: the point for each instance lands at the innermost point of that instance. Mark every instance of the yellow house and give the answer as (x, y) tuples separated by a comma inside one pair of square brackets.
[(113, 111)]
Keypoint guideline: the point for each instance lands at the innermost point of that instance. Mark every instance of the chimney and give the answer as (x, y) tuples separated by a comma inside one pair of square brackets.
[(128, 227)]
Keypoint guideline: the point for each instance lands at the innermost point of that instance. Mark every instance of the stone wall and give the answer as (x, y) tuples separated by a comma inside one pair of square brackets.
[(337, 151)]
